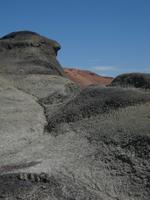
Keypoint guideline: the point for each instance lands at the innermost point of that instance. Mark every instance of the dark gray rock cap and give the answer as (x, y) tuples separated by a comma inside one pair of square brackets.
[(26, 52)]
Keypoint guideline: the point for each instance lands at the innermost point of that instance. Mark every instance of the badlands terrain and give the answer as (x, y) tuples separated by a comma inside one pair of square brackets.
[(59, 141)]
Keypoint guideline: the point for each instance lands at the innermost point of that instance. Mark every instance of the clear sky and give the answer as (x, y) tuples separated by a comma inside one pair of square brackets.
[(108, 37)]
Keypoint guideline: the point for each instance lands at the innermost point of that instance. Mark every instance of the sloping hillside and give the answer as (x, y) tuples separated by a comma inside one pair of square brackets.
[(85, 78)]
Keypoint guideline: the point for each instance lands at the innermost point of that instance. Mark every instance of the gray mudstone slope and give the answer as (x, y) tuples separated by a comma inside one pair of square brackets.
[(27, 52), (60, 143), (102, 156), (95, 101)]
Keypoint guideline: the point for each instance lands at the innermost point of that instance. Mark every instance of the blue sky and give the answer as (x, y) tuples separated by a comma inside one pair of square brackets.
[(108, 37)]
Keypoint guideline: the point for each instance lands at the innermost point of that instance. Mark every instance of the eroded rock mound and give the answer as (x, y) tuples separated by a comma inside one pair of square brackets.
[(97, 100), (26, 52), (138, 80)]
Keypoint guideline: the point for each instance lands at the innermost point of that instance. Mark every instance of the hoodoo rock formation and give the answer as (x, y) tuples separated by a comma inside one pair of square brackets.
[(26, 52)]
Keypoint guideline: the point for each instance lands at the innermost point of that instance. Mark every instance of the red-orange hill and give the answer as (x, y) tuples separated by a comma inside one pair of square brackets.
[(85, 78)]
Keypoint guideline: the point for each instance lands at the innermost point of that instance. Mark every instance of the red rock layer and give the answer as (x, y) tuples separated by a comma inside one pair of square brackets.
[(85, 78)]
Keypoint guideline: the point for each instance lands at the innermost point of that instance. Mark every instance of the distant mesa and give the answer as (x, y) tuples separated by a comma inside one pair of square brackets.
[(27, 52), (86, 78), (138, 80)]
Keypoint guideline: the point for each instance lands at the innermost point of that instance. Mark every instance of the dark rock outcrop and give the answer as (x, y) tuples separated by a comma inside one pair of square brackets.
[(26, 52), (138, 80)]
